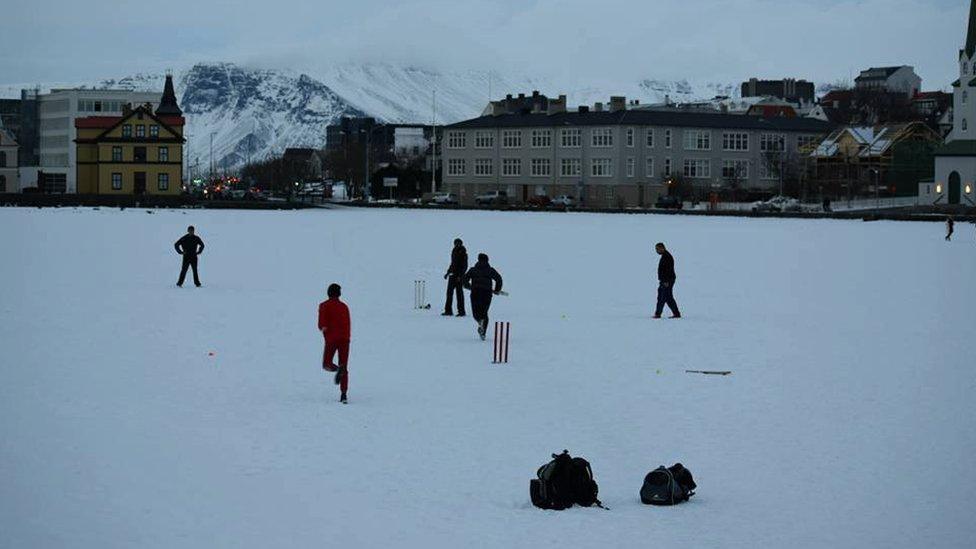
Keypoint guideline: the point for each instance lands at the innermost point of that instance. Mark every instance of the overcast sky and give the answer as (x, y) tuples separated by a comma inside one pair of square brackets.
[(706, 40)]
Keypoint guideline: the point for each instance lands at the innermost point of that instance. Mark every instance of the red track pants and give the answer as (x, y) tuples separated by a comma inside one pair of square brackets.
[(342, 347)]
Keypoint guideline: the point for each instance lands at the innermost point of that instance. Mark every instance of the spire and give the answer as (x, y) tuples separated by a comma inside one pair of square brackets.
[(971, 35), (167, 105)]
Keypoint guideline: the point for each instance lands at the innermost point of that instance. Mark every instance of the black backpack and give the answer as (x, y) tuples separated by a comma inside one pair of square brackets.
[(562, 482), (668, 485)]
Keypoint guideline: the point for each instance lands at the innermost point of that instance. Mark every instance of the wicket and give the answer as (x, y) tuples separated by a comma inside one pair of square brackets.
[(502, 330), (420, 295)]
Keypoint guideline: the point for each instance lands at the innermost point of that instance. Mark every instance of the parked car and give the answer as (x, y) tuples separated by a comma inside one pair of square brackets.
[(443, 198), (669, 203), (539, 201), (492, 198), (777, 204), (563, 201)]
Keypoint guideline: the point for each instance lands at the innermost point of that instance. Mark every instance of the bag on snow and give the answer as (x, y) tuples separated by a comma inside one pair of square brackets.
[(668, 485), (562, 482)]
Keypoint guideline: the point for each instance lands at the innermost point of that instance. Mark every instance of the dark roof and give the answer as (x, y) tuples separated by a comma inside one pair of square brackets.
[(167, 105), (959, 147), (646, 118), (875, 73), (971, 35)]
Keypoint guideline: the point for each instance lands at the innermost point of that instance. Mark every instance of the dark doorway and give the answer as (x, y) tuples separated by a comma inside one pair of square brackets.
[(139, 186), (954, 185)]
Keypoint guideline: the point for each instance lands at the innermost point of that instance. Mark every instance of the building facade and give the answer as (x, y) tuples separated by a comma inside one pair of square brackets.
[(139, 152), (8, 162), (955, 162), (892, 79), (616, 157), (789, 89)]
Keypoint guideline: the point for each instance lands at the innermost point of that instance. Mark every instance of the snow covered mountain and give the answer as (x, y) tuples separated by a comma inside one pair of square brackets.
[(253, 113)]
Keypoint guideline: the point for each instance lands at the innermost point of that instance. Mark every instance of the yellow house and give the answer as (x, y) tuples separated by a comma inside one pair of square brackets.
[(140, 152)]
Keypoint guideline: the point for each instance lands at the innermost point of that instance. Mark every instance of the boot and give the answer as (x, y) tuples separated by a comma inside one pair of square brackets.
[(447, 313)]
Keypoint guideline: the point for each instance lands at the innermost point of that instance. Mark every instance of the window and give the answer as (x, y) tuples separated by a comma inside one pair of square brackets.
[(697, 168), (140, 130), (735, 141), (3, 183), (164, 154), (570, 138), (484, 140), (541, 138), (964, 125), (3, 159), (116, 154), (154, 131), (964, 96), (511, 139), (735, 170), (667, 167), (541, 167), (456, 140), (126, 130), (805, 142), (649, 138), (511, 167), (139, 154), (569, 167), (483, 167), (667, 139), (767, 170), (772, 142), (601, 167), (608, 192), (649, 167), (163, 182), (455, 166), (602, 137), (630, 166), (117, 181), (630, 137), (698, 140)]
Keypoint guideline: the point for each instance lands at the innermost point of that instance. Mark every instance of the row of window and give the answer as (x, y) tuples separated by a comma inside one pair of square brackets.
[(139, 154), (693, 140), (695, 168), (140, 130), (98, 105), (162, 181)]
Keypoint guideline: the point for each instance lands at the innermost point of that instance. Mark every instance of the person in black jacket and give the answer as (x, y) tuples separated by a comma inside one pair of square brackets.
[(455, 272), (483, 281), (666, 278), (190, 246)]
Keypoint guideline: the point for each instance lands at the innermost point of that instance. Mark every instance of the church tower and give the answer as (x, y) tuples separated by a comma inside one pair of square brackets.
[(167, 105)]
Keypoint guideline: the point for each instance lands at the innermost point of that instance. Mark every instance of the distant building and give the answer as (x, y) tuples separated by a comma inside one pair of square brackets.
[(614, 155), (893, 79), (139, 152), (955, 162), (308, 162), (789, 89), (8, 162), (20, 117)]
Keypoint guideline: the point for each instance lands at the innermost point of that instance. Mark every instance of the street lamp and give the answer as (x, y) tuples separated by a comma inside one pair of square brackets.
[(877, 178)]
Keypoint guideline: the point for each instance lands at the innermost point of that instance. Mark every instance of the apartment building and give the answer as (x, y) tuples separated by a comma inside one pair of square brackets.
[(900, 79), (57, 111), (8, 162), (615, 156)]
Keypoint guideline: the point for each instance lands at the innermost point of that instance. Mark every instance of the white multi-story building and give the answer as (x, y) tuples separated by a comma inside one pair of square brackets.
[(955, 162), (57, 112)]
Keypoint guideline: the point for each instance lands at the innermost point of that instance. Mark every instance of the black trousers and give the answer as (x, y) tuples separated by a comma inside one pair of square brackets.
[(189, 261), (665, 295), (454, 288), (480, 303)]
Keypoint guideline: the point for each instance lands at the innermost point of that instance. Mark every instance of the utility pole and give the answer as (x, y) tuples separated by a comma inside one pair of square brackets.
[(211, 156), (433, 148)]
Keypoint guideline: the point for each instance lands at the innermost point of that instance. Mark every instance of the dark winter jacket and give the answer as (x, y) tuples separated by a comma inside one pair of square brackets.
[(459, 261), (481, 276), (188, 245), (665, 268)]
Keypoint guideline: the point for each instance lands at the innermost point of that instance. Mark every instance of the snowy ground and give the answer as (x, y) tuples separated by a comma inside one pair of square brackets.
[(848, 420)]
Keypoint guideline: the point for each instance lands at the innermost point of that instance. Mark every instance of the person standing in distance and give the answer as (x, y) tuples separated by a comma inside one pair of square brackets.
[(666, 278), (335, 327), (950, 226), (484, 282), (189, 246), (455, 272)]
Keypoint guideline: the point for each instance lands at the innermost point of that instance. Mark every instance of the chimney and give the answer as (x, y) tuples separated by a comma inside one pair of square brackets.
[(667, 99), (535, 93), (521, 96), (583, 109), (598, 107), (618, 103), (126, 109), (557, 105)]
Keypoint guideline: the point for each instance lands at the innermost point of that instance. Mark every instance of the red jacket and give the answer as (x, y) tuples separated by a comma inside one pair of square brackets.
[(334, 320)]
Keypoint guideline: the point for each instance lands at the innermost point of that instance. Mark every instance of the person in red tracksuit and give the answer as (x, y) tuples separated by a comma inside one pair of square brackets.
[(334, 325)]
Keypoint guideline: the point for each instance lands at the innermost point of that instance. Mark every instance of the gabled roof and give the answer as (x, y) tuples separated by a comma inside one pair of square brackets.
[(109, 123), (877, 73), (871, 140)]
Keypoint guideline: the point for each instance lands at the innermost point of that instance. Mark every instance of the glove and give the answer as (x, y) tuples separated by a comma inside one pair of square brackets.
[(446, 275)]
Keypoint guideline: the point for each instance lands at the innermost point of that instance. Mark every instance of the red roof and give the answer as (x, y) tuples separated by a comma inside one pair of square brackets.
[(105, 122)]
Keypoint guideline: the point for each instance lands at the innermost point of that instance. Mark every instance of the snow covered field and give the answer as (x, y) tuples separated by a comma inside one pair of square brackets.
[(849, 420)]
